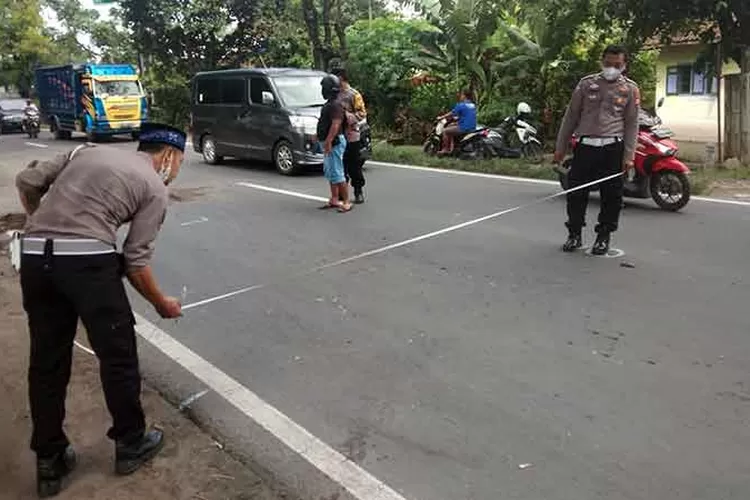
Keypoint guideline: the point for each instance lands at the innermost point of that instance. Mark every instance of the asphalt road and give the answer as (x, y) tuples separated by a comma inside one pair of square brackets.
[(481, 364)]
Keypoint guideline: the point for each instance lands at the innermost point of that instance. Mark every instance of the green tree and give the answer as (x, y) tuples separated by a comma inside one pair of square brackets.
[(463, 43), (730, 19), (380, 61), (23, 44), (326, 22)]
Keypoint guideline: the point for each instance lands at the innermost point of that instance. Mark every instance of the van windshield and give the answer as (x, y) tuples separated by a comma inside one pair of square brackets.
[(300, 91)]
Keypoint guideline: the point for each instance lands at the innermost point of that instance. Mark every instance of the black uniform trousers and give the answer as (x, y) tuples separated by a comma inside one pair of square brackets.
[(589, 164), (353, 166), (57, 291)]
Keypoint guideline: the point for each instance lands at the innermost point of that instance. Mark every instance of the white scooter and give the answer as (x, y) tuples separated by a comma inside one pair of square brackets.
[(517, 133)]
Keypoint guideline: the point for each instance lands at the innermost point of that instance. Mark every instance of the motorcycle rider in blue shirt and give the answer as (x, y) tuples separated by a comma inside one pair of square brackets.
[(464, 115)]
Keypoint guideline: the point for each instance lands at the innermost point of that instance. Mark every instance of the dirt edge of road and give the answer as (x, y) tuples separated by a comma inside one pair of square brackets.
[(192, 465)]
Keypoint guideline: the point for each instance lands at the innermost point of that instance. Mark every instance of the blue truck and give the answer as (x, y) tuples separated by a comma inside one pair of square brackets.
[(96, 99)]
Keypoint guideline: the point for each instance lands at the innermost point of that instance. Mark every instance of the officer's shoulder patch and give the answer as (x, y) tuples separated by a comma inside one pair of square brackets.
[(590, 77)]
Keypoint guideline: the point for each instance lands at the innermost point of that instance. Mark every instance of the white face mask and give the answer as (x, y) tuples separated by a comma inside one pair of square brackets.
[(611, 74)]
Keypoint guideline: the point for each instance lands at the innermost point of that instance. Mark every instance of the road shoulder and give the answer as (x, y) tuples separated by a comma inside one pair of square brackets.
[(192, 466)]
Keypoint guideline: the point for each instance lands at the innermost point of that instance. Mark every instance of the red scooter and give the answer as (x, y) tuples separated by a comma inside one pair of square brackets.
[(657, 173)]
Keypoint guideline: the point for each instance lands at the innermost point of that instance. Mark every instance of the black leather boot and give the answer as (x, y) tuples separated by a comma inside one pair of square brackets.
[(574, 242), (601, 245), (51, 472), (131, 456)]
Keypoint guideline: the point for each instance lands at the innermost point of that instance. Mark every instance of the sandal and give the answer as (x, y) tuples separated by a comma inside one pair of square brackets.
[(345, 208), (329, 205)]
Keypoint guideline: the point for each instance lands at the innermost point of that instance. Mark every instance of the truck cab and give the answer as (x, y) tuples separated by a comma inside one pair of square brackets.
[(96, 99)]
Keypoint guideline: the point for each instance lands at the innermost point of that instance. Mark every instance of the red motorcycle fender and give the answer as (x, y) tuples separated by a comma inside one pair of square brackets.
[(669, 163)]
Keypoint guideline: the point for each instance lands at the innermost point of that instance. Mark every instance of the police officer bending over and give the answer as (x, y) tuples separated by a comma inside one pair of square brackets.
[(603, 113), (70, 270)]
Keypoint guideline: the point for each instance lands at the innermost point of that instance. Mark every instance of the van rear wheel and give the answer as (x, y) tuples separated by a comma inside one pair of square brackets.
[(208, 147), (283, 159)]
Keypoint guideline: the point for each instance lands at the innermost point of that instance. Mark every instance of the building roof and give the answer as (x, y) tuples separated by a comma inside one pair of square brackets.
[(692, 37)]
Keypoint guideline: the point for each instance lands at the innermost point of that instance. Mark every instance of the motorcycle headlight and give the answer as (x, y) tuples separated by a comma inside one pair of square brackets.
[(665, 150), (306, 124)]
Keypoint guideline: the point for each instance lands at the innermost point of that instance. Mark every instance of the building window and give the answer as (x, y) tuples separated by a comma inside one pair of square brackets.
[(685, 79)]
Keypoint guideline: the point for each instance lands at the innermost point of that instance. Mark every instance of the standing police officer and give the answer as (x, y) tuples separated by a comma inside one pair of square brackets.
[(70, 270), (603, 113), (354, 107)]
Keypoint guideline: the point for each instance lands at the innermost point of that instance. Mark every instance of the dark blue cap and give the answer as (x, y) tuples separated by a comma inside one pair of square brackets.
[(157, 133)]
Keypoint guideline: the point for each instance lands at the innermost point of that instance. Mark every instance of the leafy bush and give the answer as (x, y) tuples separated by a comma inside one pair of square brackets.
[(171, 96), (431, 99), (379, 62)]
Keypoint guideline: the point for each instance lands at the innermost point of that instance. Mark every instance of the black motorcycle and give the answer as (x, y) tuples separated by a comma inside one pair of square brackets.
[(475, 145), (31, 125)]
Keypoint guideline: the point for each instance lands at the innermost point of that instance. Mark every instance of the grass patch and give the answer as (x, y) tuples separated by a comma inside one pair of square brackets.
[(413, 155), (704, 180)]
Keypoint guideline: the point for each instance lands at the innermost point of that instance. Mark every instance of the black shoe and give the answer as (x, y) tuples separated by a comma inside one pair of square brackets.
[(574, 242), (50, 472), (129, 458), (359, 198), (601, 245)]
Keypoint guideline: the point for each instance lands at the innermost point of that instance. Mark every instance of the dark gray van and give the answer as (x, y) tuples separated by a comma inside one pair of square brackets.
[(266, 114)]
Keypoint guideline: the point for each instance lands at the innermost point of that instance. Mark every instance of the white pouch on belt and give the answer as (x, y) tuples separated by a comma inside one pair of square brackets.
[(15, 250)]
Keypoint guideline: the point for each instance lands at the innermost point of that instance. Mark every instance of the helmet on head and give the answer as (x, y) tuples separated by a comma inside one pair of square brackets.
[(330, 86), (523, 109)]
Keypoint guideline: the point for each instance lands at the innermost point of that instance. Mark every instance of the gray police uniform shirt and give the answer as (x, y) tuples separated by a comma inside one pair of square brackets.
[(94, 193), (354, 107), (601, 108)]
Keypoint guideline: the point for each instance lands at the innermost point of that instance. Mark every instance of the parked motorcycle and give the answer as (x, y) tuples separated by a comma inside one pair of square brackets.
[(31, 125), (517, 133), (483, 143), (658, 172), (470, 146)]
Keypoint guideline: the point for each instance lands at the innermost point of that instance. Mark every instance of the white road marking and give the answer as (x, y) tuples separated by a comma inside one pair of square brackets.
[(526, 180), (393, 246), (720, 200), (282, 191), (464, 173), (196, 221), (84, 348), (357, 481), (36, 145)]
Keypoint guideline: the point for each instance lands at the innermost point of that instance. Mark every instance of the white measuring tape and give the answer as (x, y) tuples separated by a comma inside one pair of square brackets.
[(400, 244)]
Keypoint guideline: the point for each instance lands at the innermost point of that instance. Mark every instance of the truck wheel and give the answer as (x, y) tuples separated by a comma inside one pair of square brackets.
[(59, 134), (92, 136)]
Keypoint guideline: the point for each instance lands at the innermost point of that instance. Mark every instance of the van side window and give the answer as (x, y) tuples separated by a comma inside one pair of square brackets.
[(258, 85), (233, 91), (207, 91)]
